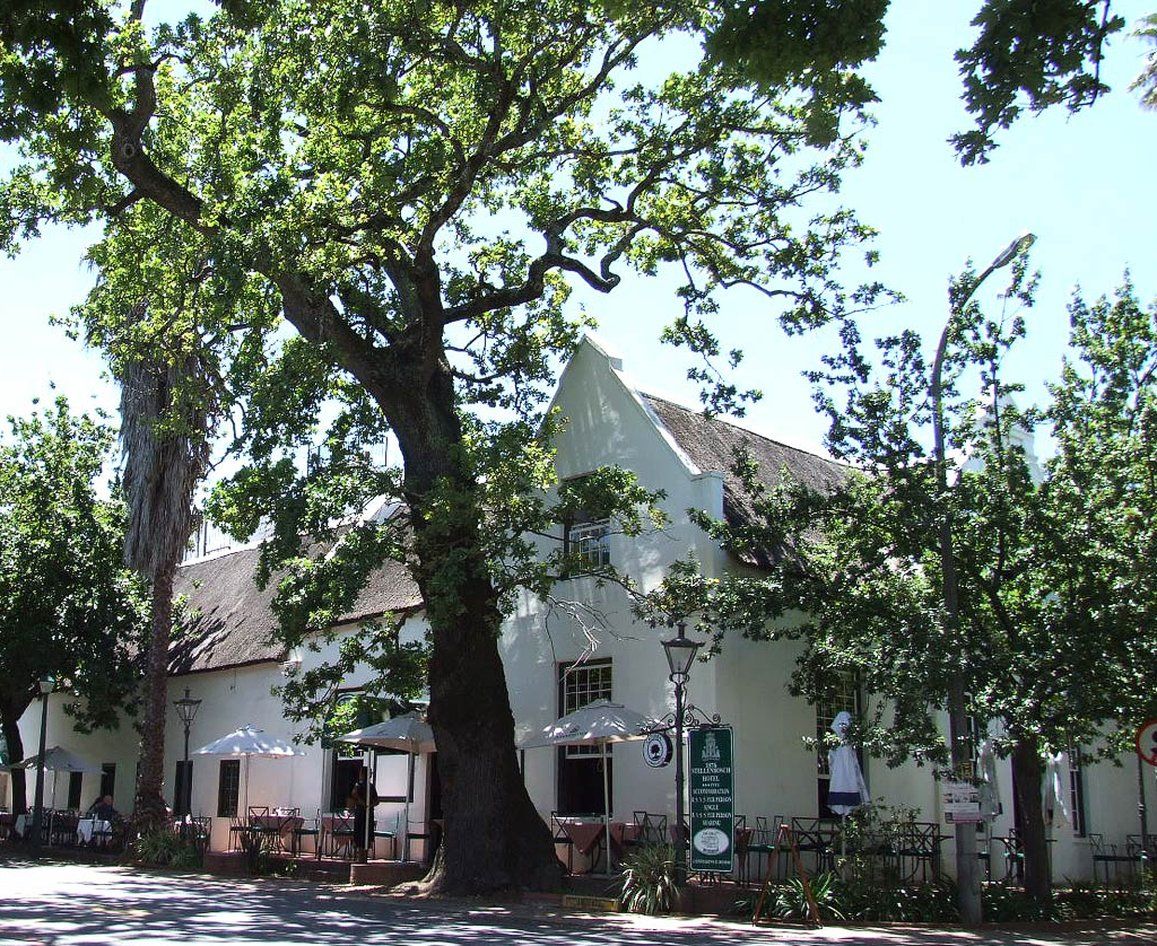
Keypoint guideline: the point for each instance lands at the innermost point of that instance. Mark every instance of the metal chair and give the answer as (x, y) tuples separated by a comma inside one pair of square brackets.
[(560, 837)]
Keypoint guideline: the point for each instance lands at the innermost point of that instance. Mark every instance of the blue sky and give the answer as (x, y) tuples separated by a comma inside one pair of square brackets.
[(1084, 184)]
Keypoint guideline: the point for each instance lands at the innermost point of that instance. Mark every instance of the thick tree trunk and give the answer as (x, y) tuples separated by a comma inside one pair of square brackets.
[(10, 723), (493, 838), (1027, 773), (149, 806)]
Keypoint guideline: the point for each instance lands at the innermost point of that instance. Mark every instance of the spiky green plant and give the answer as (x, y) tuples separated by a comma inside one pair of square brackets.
[(649, 880)]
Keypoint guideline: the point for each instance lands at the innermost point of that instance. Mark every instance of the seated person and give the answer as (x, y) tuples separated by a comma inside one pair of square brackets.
[(102, 808)]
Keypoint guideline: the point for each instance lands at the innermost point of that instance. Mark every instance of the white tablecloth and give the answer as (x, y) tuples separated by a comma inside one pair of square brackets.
[(86, 827)]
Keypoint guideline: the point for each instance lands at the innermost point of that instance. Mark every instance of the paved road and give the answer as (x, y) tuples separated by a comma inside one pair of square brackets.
[(71, 905)]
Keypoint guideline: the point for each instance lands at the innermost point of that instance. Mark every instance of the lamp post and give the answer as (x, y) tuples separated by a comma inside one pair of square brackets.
[(967, 864), (680, 652), (186, 709), (47, 685)]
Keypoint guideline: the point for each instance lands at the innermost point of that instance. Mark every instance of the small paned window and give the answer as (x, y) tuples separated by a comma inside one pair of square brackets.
[(580, 768), (587, 537), (1077, 791), (228, 787)]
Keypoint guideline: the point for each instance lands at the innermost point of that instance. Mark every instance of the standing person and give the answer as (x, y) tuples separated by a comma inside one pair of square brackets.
[(357, 803)]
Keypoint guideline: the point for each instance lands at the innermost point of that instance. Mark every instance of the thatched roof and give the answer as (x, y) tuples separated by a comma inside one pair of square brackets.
[(711, 444), (229, 620)]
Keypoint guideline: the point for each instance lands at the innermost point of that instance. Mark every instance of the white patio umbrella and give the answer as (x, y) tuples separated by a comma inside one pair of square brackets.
[(248, 742), (58, 759), (407, 733), (597, 724)]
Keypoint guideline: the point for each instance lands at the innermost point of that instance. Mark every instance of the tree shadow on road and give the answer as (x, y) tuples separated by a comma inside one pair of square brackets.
[(65, 904)]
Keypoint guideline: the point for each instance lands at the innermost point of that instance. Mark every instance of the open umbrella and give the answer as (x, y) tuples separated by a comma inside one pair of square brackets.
[(407, 733), (597, 724), (58, 759), (246, 743)]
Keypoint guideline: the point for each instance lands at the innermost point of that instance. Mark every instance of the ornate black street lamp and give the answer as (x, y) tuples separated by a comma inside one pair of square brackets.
[(681, 652), (186, 709), (47, 685)]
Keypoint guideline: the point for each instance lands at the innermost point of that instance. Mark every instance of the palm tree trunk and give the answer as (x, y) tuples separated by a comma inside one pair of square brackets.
[(149, 808)]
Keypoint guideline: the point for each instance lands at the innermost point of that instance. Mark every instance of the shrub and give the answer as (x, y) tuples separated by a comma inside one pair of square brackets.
[(791, 902), (162, 848), (649, 880)]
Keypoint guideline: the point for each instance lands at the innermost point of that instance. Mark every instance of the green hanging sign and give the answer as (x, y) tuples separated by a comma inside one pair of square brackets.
[(711, 792)]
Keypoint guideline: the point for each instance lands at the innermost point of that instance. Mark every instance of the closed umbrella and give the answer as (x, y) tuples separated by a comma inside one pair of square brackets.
[(599, 723), (846, 790), (248, 742), (407, 733)]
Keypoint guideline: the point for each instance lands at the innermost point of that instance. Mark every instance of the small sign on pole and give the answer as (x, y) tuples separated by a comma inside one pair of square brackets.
[(1147, 741), (712, 797), (960, 802)]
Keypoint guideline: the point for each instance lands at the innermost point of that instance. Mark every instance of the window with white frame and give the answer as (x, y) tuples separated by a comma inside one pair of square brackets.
[(1077, 791), (586, 536), (580, 774), (590, 542)]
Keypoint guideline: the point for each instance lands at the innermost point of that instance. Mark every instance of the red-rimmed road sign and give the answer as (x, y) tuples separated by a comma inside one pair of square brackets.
[(1147, 741)]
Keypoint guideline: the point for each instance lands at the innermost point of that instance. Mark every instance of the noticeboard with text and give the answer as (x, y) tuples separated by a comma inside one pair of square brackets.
[(712, 799)]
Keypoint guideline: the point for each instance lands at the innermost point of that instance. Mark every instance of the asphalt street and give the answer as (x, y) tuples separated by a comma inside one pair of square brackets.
[(71, 904)]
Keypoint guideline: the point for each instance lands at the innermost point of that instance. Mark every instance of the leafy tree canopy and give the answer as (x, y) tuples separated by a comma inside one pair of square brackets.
[(1027, 54), (414, 186), (1053, 561), (68, 608)]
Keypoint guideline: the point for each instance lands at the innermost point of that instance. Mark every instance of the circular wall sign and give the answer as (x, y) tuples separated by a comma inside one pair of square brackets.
[(657, 750), (1147, 741)]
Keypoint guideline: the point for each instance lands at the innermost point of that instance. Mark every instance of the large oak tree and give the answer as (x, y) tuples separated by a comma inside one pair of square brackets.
[(412, 187)]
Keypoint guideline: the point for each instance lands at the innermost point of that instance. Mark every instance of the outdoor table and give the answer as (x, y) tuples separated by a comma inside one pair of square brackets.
[(276, 829), (87, 827), (623, 835), (586, 836)]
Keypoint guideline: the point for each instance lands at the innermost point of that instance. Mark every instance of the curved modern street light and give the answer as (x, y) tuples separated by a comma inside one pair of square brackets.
[(967, 864), (46, 685), (680, 652)]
